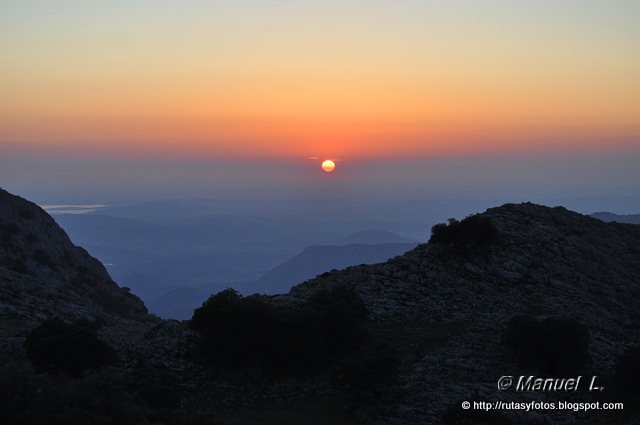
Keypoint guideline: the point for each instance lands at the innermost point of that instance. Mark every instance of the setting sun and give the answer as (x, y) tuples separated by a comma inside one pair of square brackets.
[(328, 165)]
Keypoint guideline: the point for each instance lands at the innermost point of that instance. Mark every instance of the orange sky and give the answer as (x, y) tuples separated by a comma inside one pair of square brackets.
[(332, 79)]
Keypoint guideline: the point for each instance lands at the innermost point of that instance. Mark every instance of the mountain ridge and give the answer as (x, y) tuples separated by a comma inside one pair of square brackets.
[(452, 307), (43, 274)]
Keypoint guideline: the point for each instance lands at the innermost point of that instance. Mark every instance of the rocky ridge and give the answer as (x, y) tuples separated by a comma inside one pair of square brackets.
[(43, 273), (447, 310)]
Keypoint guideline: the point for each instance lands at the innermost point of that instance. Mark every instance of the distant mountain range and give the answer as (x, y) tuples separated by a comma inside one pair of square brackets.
[(173, 263), (180, 302), (611, 217)]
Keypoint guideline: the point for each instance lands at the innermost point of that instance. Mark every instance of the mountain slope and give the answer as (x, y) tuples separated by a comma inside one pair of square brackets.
[(322, 258), (445, 310), (43, 274)]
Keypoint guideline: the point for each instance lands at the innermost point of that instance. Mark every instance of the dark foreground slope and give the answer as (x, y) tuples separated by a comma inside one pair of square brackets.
[(43, 274), (446, 308), (46, 279)]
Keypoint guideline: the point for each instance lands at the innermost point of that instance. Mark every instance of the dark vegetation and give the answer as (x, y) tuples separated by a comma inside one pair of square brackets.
[(250, 332), (328, 331), (471, 232), (553, 345), (69, 381), (56, 347)]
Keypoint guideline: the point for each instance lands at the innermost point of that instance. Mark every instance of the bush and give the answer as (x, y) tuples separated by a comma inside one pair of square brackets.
[(473, 231), (56, 347), (554, 345), (243, 332), (236, 331), (627, 374)]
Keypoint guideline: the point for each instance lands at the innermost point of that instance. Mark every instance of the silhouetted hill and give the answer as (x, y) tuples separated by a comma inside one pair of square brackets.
[(323, 258), (446, 308), (611, 217), (42, 274)]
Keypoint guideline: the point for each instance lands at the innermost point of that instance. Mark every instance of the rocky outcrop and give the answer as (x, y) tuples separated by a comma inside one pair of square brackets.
[(446, 309), (42, 274)]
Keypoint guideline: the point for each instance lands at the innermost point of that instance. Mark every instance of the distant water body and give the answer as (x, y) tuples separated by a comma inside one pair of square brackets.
[(71, 209)]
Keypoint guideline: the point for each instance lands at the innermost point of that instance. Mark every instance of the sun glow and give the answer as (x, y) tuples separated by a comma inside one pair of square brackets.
[(328, 165)]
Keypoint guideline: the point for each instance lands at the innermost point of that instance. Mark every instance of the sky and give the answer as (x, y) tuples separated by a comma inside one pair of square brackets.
[(118, 85)]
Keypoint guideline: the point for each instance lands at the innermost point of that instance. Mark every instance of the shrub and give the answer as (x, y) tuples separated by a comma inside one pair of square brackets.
[(473, 231), (56, 347), (216, 305), (243, 332), (236, 331), (554, 345), (627, 374)]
